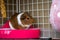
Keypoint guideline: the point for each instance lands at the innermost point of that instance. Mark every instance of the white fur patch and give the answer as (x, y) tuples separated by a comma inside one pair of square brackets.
[(11, 25), (19, 20)]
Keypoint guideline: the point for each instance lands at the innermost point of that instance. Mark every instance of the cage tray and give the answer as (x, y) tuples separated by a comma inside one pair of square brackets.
[(31, 33)]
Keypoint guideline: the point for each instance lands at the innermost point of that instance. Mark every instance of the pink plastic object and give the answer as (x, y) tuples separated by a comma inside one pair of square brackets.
[(31, 33), (55, 15), (6, 32)]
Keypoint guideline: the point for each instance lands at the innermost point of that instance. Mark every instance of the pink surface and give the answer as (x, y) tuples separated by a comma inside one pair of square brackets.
[(55, 15), (6, 25), (6, 32), (31, 33)]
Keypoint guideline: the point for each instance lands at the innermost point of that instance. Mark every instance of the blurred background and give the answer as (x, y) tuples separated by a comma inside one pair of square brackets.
[(39, 9)]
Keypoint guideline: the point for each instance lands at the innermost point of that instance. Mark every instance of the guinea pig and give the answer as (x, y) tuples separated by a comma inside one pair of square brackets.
[(21, 21)]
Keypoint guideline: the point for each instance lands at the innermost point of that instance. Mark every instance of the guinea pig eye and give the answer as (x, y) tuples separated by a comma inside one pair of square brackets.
[(28, 18)]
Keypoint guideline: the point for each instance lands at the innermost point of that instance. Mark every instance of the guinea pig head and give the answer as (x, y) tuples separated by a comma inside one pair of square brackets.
[(27, 19)]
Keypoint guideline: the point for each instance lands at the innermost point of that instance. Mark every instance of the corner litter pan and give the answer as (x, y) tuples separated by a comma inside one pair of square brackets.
[(30, 33)]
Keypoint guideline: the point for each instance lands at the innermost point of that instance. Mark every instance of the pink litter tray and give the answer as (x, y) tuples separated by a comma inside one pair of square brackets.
[(31, 33), (8, 33)]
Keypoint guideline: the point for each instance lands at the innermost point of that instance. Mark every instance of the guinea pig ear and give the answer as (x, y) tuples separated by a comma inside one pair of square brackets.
[(26, 13)]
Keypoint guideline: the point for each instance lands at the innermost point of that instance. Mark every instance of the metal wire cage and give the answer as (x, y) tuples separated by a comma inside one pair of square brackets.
[(39, 9)]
